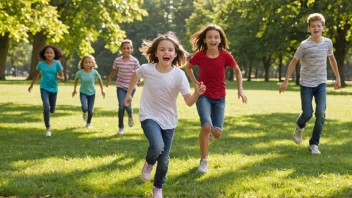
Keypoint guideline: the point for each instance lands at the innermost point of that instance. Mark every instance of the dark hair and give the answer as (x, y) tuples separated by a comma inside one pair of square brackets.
[(57, 52), (80, 64), (149, 49), (197, 39)]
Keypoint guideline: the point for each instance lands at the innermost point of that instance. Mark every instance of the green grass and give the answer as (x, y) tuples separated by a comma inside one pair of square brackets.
[(254, 158)]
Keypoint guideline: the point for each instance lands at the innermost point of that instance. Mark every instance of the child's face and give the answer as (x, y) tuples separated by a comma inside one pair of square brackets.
[(126, 49), (212, 39), (49, 54), (166, 52), (88, 63), (316, 28)]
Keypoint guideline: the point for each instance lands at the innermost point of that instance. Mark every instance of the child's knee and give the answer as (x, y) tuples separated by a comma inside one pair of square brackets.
[(216, 133)]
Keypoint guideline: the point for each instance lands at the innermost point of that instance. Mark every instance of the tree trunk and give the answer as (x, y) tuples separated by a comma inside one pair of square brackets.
[(230, 74), (266, 64), (280, 68), (38, 44), (4, 43), (340, 53), (64, 65), (298, 74), (249, 77)]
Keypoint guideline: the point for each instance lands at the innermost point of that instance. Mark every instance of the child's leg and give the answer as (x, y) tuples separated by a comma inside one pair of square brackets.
[(46, 107), (129, 108), (320, 101), (52, 101), (204, 112), (121, 94), (307, 108), (90, 101), (217, 116), (163, 159), (84, 104)]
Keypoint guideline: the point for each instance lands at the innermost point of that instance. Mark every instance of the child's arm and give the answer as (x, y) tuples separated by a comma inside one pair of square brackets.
[(112, 74), (198, 90), (131, 86), (290, 69), (101, 87), (335, 69), (239, 84), (61, 75), (35, 77), (74, 87), (190, 74)]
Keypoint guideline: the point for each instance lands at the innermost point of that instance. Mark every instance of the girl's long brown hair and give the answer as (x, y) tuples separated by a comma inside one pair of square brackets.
[(197, 39)]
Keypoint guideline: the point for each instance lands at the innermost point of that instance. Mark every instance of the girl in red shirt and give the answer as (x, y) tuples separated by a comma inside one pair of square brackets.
[(212, 58)]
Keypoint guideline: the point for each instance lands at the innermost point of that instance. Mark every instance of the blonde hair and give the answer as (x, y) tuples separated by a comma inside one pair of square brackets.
[(197, 39), (80, 64), (316, 17), (149, 49)]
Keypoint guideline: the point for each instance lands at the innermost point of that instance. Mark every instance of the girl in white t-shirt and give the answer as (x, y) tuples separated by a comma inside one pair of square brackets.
[(163, 81)]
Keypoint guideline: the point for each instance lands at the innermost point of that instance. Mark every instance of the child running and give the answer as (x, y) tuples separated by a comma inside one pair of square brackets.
[(212, 58), (163, 81), (312, 54), (124, 65), (48, 68), (87, 75)]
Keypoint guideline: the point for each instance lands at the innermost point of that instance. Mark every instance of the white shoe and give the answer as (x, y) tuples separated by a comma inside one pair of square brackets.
[(157, 192), (297, 134), (203, 166), (48, 133), (146, 171), (85, 116), (89, 125), (121, 131), (314, 149), (130, 122)]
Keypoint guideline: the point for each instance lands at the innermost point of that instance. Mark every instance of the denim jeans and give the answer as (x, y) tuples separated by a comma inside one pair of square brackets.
[(87, 103), (160, 141), (307, 94), (49, 104), (211, 111), (121, 95)]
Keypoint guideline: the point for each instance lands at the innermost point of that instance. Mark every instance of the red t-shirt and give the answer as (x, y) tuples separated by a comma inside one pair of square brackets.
[(212, 71)]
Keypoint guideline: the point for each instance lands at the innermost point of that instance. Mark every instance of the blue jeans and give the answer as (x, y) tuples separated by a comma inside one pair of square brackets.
[(121, 95), (211, 111), (87, 103), (307, 94), (160, 141), (49, 104)]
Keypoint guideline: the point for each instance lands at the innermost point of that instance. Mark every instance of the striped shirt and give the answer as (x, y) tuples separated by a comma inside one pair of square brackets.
[(125, 70), (313, 58)]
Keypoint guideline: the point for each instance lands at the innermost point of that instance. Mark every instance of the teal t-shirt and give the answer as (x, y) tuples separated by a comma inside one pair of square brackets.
[(87, 81), (49, 75)]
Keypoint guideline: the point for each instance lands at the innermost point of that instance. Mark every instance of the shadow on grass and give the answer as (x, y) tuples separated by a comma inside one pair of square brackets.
[(252, 136)]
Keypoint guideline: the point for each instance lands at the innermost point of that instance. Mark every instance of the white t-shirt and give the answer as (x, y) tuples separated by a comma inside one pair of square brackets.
[(160, 91), (313, 58)]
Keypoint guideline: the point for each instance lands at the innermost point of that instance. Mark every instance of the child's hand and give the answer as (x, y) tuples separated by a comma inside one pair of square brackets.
[(103, 93), (60, 78), (30, 88), (337, 84), (200, 88), (283, 87), (74, 93), (107, 83), (241, 94), (127, 100)]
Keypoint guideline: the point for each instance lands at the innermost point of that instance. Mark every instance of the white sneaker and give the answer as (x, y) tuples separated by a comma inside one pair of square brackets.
[(146, 171), (85, 116), (314, 149), (157, 192), (48, 133), (130, 122), (297, 134), (203, 166), (121, 131), (89, 125)]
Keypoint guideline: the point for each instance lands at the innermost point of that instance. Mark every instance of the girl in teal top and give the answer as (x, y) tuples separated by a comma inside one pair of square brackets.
[(87, 75), (49, 68)]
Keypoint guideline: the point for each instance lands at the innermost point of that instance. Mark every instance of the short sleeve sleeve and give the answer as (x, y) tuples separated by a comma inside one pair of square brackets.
[(194, 59), (184, 84), (115, 65), (78, 74), (330, 49), (96, 74), (38, 68), (299, 52), (140, 71), (58, 66), (230, 61)]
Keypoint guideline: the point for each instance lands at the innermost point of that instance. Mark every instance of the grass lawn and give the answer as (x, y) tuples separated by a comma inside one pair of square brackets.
[(255, 157)]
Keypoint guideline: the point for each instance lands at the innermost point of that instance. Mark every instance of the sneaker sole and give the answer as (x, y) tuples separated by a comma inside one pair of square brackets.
[(296, 141)]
